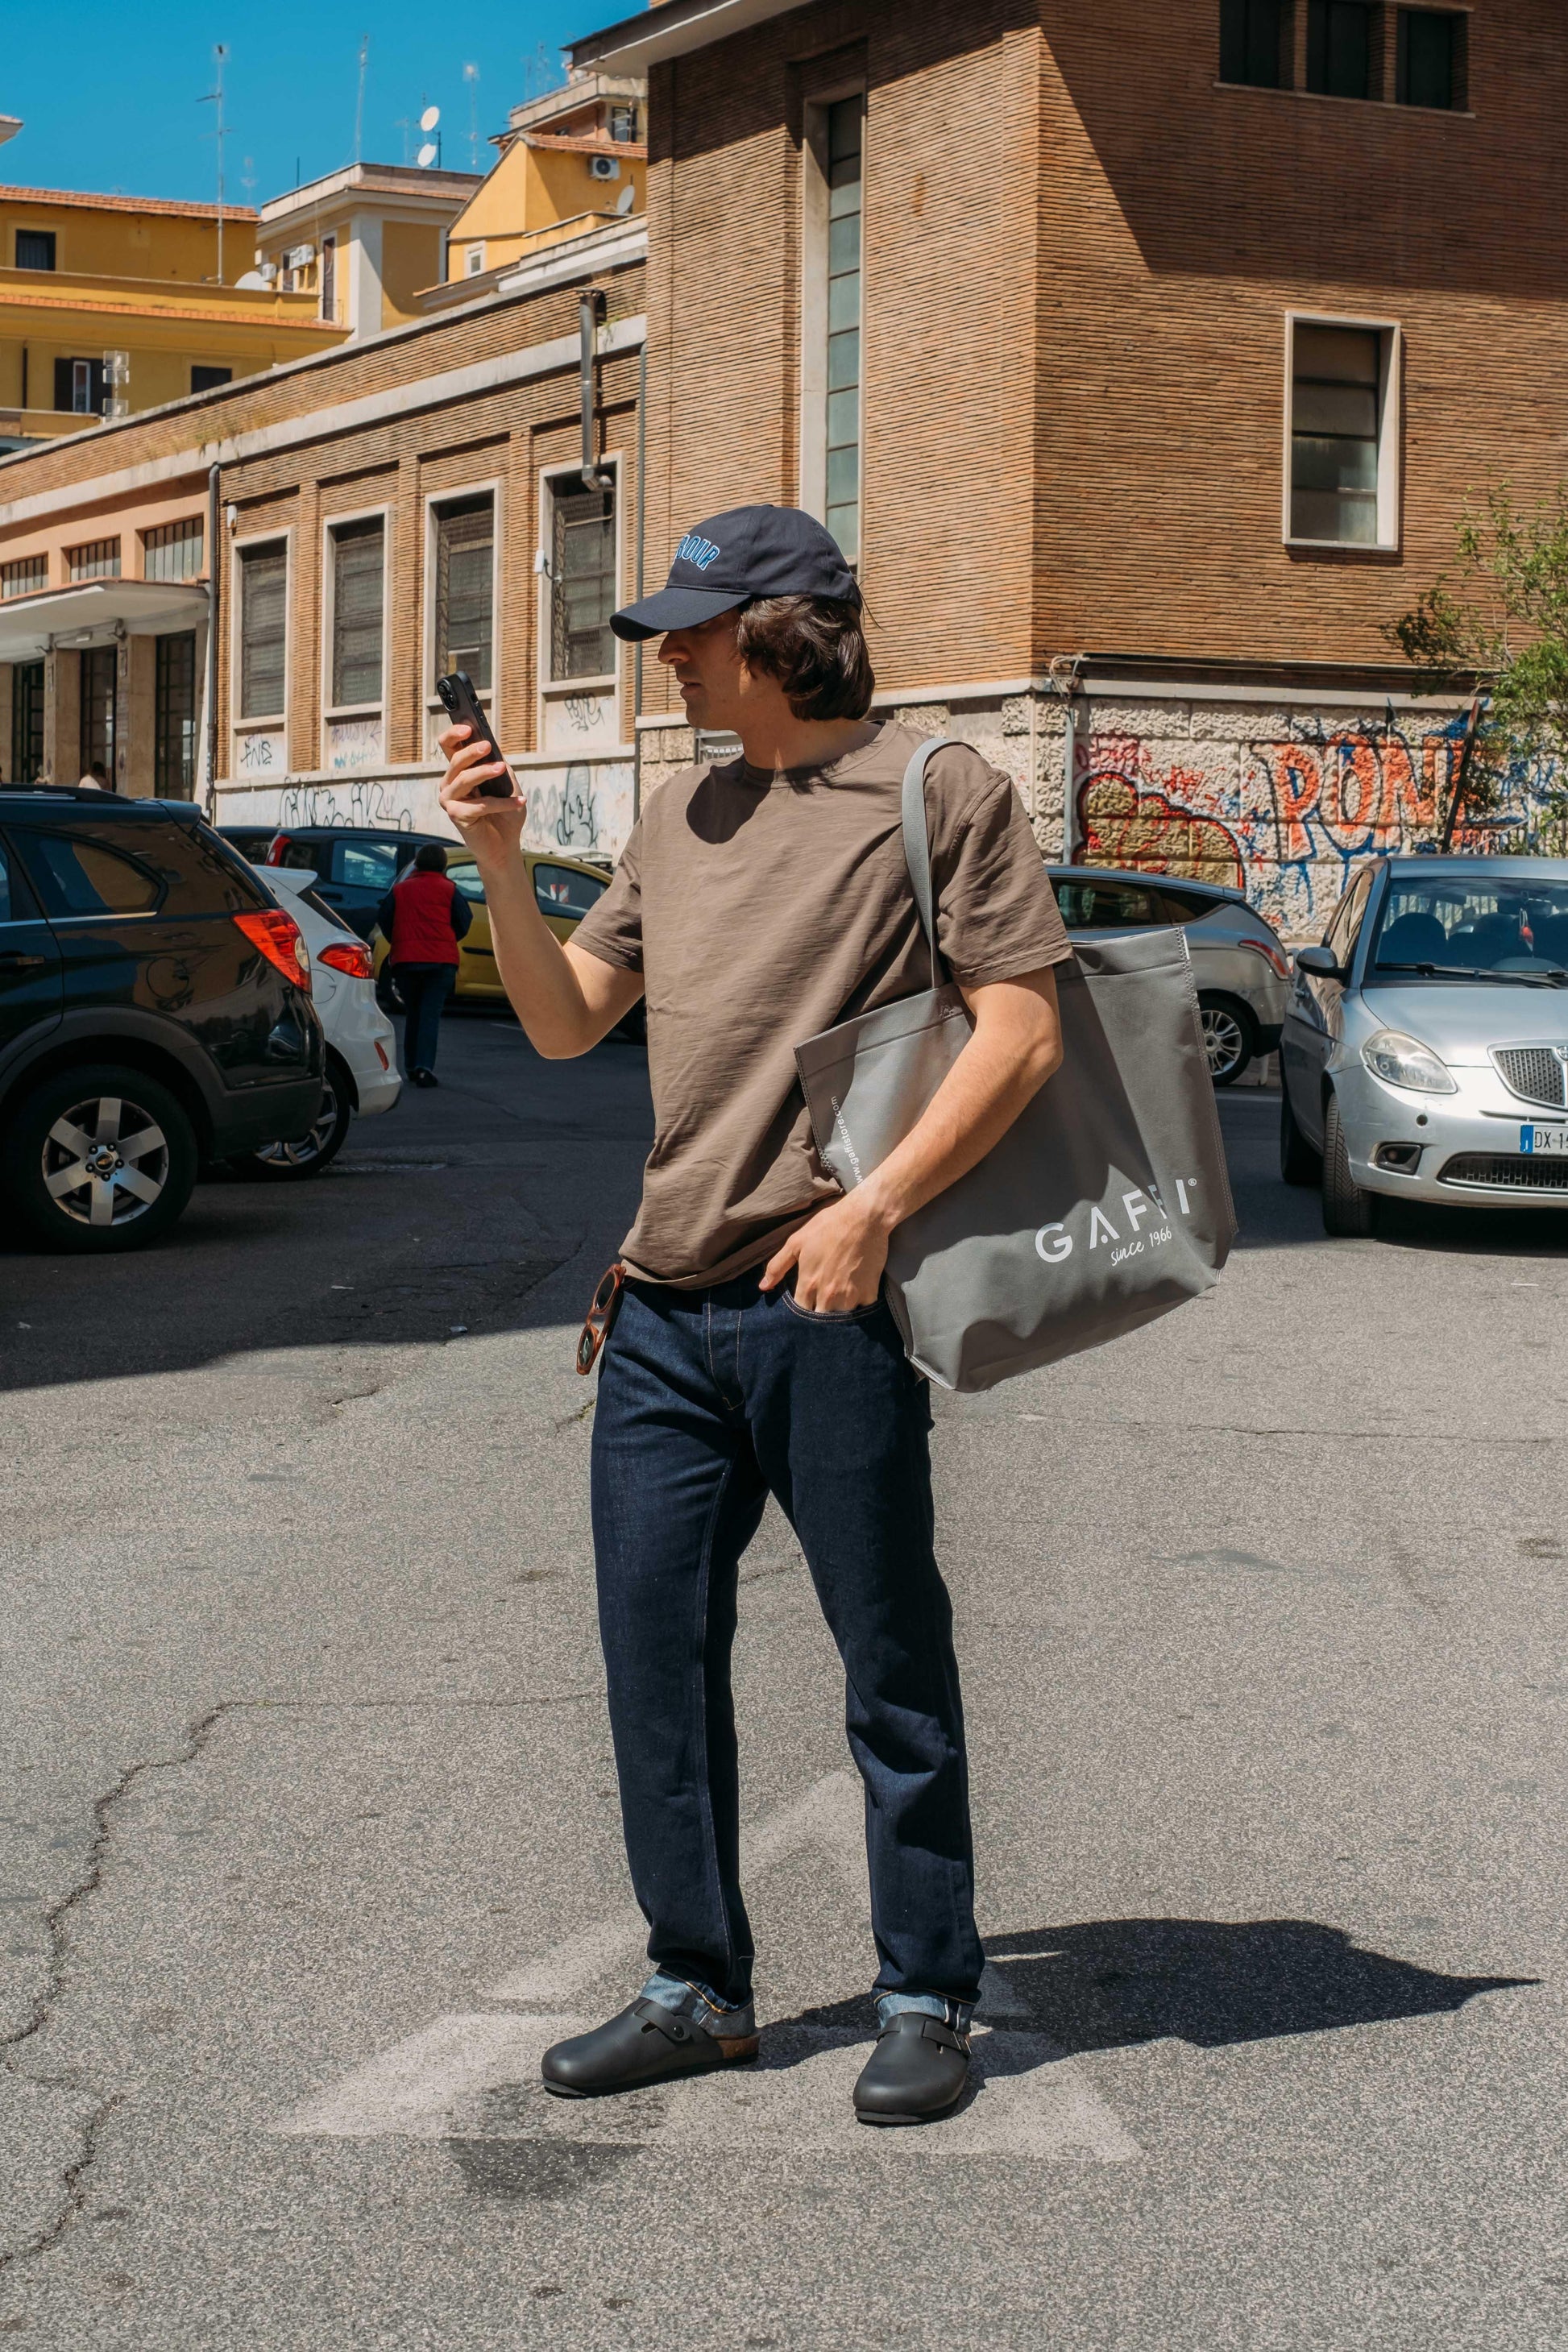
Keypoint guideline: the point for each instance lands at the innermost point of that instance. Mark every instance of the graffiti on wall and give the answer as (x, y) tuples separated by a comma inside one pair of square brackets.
[(589, 809), (1282, 817), (387, 807)]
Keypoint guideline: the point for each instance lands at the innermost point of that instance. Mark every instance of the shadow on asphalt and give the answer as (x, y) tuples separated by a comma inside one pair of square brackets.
[(1104, 1983), (1107, 1982)]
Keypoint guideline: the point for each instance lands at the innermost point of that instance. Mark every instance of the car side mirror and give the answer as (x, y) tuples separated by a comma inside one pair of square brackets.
[(1320, 963)]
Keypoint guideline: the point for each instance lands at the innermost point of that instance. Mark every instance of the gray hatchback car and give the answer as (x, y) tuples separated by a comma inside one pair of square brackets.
[(1425, 1047), (1239, 963)]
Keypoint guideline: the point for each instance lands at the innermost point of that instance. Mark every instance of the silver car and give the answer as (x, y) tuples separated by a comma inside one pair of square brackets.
[(1424, 1055), (1241, 966)]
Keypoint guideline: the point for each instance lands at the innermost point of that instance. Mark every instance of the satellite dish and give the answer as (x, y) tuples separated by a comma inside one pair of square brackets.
[(428, 155), (251, 283), (430, 118), (626, 199)]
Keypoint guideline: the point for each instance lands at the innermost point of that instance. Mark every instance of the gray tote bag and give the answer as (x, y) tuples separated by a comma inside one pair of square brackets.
[(1104, 1205)]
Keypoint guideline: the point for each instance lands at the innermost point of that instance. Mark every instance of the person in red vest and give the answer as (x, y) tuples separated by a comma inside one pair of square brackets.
[(423, 918)]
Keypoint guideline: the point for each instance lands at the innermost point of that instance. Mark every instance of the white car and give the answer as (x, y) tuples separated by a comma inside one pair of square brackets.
[(362, 1067)]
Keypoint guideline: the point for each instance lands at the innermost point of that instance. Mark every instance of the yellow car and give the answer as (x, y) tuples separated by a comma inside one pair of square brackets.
[(565, 889)]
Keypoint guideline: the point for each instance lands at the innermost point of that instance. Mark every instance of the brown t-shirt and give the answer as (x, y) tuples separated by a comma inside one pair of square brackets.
[(762, 909)]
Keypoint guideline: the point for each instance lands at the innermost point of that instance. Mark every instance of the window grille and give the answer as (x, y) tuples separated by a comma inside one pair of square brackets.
[(844, 127), (98, 560), (24, 577), (98, 706), (263, 630), (172, 551), (465, 618), (358, 569), (26, 723), (582, 579)]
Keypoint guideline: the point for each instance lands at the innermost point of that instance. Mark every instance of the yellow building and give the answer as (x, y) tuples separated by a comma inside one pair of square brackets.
[(110, 305), (571, 163), (362, 241)]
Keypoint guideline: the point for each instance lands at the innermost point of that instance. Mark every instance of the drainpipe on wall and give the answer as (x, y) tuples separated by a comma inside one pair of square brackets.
[(209, 777), (642, 534), (590, 309)]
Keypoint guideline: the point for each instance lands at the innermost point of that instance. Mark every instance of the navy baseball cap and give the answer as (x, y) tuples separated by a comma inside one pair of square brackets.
[(732, 558)]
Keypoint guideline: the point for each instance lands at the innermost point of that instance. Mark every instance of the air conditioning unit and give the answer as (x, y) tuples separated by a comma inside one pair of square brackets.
[(299, 257), (604, 167)]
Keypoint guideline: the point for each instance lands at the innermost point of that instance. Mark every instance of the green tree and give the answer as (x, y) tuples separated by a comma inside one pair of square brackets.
[(1502, 626)]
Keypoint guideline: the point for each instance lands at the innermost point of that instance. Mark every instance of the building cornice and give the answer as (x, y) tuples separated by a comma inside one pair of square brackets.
[(321, 423), (673, 30)]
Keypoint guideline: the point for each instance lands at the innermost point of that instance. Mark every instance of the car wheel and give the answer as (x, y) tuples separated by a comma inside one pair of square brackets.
[(307, 1154), (100, 1158), (1298, 1163), (1349, 1212), (1227, 1037)]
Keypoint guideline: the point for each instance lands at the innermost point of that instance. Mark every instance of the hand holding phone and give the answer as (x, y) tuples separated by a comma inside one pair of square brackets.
[(462, 705)]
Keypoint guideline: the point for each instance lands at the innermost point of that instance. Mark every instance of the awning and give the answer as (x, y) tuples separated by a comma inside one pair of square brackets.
[(94, 612)]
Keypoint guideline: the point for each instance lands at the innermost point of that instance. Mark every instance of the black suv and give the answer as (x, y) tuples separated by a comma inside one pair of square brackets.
[(355, 865), (154, 1012)]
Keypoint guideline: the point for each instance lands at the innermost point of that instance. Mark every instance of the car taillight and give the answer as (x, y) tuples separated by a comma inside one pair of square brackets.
[(1271, 954), (278, 936), (380, 1051), (352, 956)]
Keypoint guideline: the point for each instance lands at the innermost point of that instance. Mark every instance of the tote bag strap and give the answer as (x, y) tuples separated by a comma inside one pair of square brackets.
[(917, 847)]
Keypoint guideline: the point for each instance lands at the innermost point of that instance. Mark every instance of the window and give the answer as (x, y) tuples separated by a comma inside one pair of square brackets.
[(26, 577), (97, 708), (1340, 48), (172, 551), (473, 260), (34, 248), (366, 865), (1343, 487), (582, 579), (263, 629), (465, 880), (208, 379), (1100, 905), (79, 876), (464, 550), (1254, 42), (174, 715), (1429, 63), (622, 122), (358, 551), (79, 387), (561, 892), (17, 904), (98, 560), (1344, 924), (843, 130), (26, 723), (329, 277)]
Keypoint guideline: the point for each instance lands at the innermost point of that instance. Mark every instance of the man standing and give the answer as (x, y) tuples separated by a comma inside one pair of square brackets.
[(760, 901), (422, 917)]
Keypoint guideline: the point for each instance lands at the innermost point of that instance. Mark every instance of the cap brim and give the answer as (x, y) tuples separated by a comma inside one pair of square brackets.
[(673, 608)]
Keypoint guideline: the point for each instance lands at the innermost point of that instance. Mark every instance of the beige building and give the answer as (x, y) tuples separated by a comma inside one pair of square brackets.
[(248, 596), (363, 241)]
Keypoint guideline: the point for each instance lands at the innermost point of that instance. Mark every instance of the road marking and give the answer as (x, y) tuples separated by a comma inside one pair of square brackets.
[(476, 2076)]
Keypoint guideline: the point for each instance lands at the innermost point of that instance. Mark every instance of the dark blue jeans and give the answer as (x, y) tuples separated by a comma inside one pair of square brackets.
[(424, 987), (709, 1401)]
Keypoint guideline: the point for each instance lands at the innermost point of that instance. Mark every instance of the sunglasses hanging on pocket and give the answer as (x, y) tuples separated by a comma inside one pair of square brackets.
[(600, 1320)]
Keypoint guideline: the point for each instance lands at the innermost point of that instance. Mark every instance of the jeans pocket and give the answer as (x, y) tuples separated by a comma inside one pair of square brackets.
[(830, 1316)]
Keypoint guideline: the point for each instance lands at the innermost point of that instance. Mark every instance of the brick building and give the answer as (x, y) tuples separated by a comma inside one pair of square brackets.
[(1144, 358), (412, 500)]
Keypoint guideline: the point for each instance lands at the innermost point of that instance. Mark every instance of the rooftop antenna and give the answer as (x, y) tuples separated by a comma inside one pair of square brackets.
[(431, 150), (359, 102), (215, 98), (471, 75)]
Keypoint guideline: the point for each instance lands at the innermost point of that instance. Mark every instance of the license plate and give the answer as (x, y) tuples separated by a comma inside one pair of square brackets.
[(1543, 1138)]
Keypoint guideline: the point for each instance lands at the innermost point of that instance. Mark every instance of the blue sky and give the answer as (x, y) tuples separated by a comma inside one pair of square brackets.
[(110, 95)]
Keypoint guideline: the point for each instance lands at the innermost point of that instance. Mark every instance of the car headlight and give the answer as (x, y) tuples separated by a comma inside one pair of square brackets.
[(1407, 1062)]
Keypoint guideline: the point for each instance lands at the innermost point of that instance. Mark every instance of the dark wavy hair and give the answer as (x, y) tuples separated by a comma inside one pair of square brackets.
[(815, 647)]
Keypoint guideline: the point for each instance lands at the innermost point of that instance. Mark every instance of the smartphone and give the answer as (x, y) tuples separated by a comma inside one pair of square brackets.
[(462, 704)]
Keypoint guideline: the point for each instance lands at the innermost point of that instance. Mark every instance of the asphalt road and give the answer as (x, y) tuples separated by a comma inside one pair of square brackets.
[(310, 1831)]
